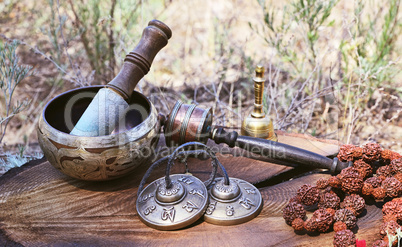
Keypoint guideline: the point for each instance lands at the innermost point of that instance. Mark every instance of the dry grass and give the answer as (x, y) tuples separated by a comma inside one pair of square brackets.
[(210, 61)]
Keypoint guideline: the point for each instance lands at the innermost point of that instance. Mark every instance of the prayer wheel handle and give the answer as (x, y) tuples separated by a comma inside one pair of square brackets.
[(187, 123)]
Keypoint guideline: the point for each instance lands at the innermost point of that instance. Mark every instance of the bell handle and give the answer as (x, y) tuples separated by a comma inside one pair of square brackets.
[(278, 151), (138, 62)]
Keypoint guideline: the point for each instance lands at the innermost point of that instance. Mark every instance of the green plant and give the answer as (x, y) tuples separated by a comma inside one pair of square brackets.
[(368, 62), (295, 34), (99, 27), (308, 16), (333, 71), (11, 74)]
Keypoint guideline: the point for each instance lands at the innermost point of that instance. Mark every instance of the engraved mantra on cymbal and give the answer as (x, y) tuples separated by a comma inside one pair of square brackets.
[(190, 206), (197, 192), (246, 203), (229, 210), (149, 210), (168, 213), (211, 208), (185, 180)]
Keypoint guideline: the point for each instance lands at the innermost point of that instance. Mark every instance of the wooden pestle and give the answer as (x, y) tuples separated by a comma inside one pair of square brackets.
[(109, 105)]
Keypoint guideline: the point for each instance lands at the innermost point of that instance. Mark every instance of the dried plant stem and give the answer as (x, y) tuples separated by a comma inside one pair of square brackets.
[(112, 60), (77, 75), (84, 39)]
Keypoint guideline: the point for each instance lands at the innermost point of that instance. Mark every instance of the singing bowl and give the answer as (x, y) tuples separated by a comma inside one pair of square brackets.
[(97, 158)]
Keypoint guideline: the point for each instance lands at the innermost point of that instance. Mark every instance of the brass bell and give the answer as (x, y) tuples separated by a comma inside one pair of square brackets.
[(233, 203), (257, 123), (174, 207)]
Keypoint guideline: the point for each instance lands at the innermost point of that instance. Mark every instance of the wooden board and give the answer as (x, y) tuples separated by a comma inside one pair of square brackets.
[(41, 206)]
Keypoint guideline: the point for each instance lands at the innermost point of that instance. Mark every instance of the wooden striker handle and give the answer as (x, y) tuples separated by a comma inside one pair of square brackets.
[(138, 62)]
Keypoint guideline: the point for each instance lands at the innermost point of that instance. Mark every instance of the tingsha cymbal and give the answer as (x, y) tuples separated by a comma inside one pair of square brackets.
[(172, 208), (232, 204)]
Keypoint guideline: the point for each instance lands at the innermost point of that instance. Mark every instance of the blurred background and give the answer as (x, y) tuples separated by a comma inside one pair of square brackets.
[(333, 67)]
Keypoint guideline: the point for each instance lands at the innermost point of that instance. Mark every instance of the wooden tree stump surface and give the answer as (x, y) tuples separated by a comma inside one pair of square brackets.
[(39, 206)]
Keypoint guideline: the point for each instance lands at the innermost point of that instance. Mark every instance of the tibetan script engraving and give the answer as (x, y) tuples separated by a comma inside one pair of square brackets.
[(197, 192), (211, 208), (146, 197), (190, 206), (249, 191), (185, 180), (246, 203), (149, 210), (168, 213), (229, 210)]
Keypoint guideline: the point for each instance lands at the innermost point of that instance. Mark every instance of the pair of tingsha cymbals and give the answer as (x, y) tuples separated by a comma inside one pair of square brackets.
[(177, 201)]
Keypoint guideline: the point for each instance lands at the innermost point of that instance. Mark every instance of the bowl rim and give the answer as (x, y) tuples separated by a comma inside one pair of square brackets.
[(117, 139)]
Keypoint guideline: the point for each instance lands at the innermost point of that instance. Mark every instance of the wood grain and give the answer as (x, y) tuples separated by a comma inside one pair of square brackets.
[(40, 206)]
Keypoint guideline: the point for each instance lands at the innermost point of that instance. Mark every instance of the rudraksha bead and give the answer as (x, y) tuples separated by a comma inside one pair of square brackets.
[(344, 238), (346, 152), (334, 182), (364, 169), (292, 211), (346, 216), (367, 189), (298, 224), (331, 211), (374, 181), (310, 225), (393, 207), (380, 243), (323, 218), (386, 154), (392, 187), (398, 176), (339, 226), (385, 171), (308, 194), (379, 193), (388, 217), (396, 165), (348, 171), (355, 202), (371, 152), (329, 200), (389, 227), (352, 182), (357, 152), (395, 156), (322, 183)]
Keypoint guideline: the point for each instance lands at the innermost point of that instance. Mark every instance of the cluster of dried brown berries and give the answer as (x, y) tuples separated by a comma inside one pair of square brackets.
[(392, 214), (375, 173)]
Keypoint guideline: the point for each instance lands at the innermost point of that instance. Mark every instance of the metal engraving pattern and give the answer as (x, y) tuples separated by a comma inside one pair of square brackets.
[(206, 118), (172, 194), (176, 214), (225, 193), (169, 125), (231, 211), (186, 120), (102, 157)]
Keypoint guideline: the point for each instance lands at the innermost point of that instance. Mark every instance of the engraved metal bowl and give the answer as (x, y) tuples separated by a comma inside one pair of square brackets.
[(102, 157)]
